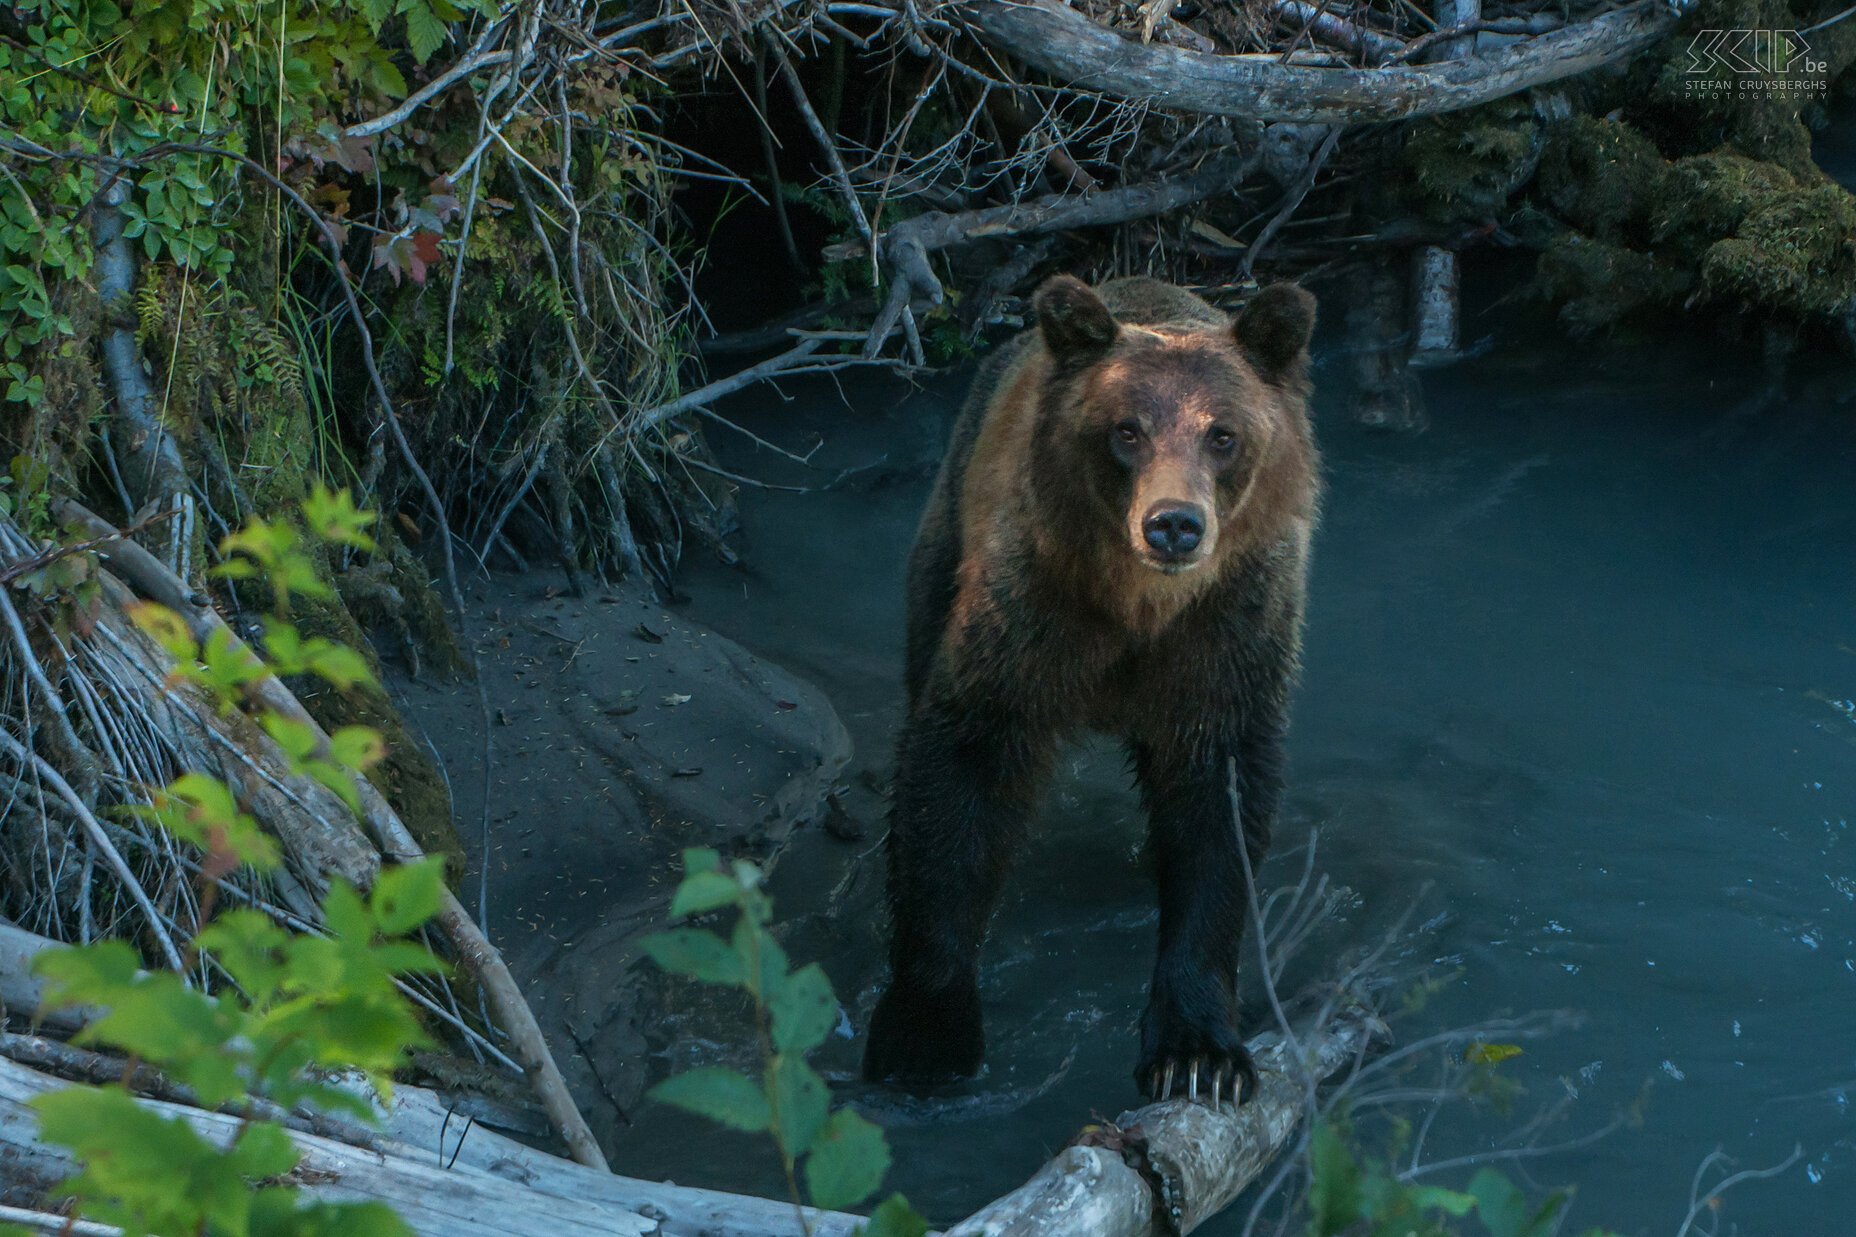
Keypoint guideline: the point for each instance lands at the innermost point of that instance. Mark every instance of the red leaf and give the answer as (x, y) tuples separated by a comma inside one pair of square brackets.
[(387, 256), (424, 252)]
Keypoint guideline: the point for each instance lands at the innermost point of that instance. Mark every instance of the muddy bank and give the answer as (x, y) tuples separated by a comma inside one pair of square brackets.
[(622, 733)]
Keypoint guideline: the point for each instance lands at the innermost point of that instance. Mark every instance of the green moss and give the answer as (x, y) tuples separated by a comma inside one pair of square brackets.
[(407, 777), (1707, 197), (1467, 165), (1602, 176), (1796, 256), (1598, 284), (1694, 112)]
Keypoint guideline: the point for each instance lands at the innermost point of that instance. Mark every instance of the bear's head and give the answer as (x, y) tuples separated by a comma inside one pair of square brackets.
[(1177, 431)]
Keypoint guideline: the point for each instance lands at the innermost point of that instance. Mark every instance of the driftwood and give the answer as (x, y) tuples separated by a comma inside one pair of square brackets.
[(450, 1179), (1205, 1156), (1077, 52), (447, 1179), (460, 1203), (21, 992), (905, 247), (347, 850)]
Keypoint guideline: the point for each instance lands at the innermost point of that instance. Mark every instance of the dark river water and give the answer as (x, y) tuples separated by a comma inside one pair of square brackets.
[(1579, 678)]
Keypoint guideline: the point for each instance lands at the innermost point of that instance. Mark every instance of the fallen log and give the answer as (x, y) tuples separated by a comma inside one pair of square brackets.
[(1204, 1156), (449, 1179), (483, 1185), (462, 1202), (1077, 52), (22, 992)]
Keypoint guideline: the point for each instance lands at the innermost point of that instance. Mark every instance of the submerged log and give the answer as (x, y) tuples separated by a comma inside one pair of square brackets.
[(1077, 52)]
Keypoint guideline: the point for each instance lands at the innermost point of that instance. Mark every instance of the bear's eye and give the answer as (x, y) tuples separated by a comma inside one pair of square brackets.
[(1128, 432), (1223, 439)]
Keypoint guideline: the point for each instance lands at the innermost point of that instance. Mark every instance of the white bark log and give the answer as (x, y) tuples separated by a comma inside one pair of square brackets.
[(1208, 1156), (1434, 284), (22, 992), (504, 1188), (496, 1187), (464, 1202)]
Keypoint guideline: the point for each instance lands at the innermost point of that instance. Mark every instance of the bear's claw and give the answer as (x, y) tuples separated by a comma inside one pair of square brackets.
[(1237, 1069)]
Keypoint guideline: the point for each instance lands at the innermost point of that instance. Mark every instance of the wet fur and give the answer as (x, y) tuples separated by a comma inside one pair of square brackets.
[(1032, 617)]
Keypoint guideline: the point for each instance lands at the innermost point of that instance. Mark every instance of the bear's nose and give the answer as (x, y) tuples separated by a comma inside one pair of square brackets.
[(1173, 529)]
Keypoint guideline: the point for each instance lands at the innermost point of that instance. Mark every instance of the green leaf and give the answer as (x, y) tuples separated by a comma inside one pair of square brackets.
[(337, 664), (701, 859), (804, 1011), (250, 948), (696, 954), (264, 1150), (847, 1163), (344, 914), (357, 747), (332, 516), (1334, 1192), (146, 1173), (424, 31), (1490, 1054), (800, 1102), (1504, 1210), (1436, 1198), (406, 896), (703, 891), (720, 1095), (895, 1218)]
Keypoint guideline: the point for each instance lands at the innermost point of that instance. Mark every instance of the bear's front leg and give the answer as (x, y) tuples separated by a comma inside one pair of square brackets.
[(1190, 1043), (964, 780)]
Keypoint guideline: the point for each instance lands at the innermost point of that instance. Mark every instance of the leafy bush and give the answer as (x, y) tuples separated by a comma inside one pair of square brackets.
[(842, 1157), (295, 1009)]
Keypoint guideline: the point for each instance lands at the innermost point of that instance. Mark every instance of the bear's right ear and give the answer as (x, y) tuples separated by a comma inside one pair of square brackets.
[(1273, 329), (1076, 325)]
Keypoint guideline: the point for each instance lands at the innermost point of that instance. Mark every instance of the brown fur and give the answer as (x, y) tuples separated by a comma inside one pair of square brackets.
[(1037, 426), (1038, 607)]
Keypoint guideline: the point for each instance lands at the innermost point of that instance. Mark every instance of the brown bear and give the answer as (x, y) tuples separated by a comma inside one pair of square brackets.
[(1118, 541)]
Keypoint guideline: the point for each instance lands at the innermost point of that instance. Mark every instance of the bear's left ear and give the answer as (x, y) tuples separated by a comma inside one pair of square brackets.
[(1076, 325), (1273, 329)]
